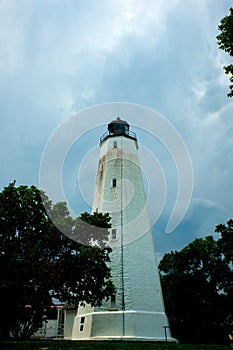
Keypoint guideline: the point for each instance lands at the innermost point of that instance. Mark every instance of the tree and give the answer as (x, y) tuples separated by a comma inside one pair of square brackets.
[(225, 244), (225, 42), (38, 262), (226, 240), (84, 232), (195, 283)]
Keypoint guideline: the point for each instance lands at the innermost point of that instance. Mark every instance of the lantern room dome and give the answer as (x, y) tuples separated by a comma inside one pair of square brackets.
[(118, 126)]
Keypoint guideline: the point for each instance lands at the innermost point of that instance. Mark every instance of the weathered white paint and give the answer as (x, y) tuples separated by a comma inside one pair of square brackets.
[(139, 309), (69, 322)]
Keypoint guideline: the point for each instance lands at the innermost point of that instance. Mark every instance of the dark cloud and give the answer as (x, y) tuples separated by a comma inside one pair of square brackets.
[(60, 57)]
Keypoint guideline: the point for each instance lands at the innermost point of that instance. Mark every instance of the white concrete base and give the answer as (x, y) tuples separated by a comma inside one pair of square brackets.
[(122, 325)]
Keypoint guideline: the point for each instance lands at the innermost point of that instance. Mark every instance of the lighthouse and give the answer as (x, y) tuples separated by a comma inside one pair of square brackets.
[(136, 311)]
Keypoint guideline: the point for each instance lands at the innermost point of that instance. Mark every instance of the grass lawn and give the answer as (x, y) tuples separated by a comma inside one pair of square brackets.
[(87, 345)]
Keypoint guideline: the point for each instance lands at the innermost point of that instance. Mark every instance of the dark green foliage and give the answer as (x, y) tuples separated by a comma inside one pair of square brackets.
[(38, 262), (197, 285), (225, 42), (84, 232)]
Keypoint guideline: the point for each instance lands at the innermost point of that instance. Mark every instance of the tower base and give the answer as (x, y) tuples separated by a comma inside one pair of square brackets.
[(126, 325)]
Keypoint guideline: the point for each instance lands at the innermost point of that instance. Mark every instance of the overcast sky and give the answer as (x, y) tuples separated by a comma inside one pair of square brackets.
[(58, 57)]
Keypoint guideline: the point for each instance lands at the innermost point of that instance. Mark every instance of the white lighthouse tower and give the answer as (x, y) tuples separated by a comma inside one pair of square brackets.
[(136, 312)]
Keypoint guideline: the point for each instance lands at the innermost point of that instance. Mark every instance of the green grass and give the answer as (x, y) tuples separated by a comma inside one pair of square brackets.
[(87, 345)]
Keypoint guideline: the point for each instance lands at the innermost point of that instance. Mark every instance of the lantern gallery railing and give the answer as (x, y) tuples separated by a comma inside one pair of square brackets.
[(126, 133)]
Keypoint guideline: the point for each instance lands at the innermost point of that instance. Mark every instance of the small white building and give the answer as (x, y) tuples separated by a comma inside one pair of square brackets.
[(136, 312), (53, 327), (59, 322)]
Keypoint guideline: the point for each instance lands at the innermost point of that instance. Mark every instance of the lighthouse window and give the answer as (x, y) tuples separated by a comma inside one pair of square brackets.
[(82, 324), (113, 301), (113, 233), (114, 183), (114, 144)]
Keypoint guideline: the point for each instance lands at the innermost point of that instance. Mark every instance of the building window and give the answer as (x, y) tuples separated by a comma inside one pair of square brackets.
[(82, 324), (114, 144), (113, 302), (113, 182), (52, 313), (113, 233)]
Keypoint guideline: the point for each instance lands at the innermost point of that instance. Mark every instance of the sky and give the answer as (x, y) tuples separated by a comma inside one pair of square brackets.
[(59, 58)]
